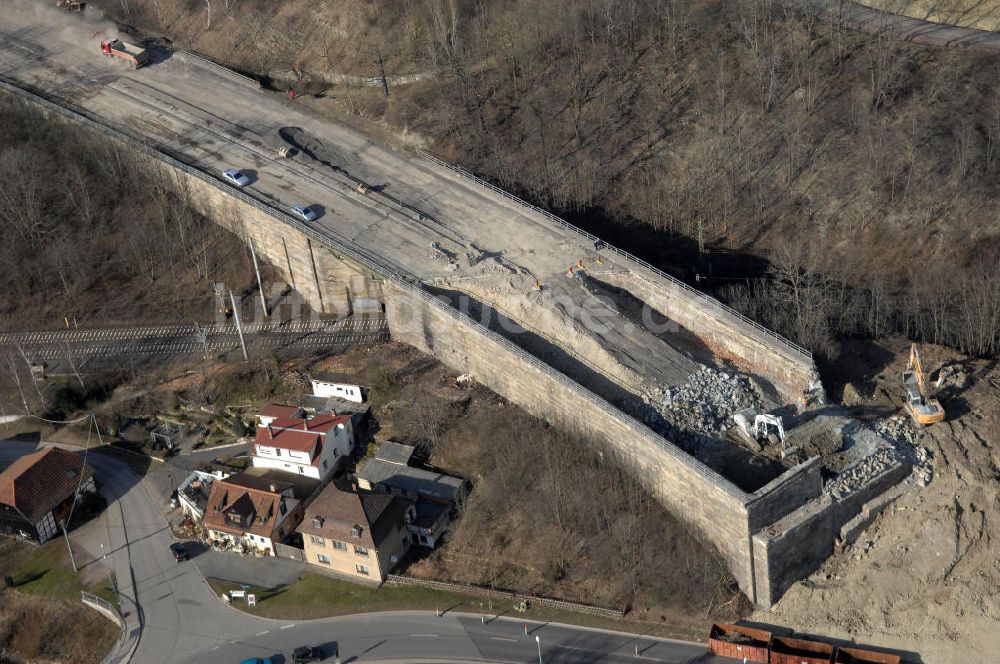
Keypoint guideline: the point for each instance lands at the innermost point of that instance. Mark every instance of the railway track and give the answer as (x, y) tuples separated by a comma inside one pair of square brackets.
[(79, 345)]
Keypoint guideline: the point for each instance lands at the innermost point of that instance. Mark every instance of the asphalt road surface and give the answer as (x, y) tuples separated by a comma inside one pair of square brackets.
[(173, 615), (424, 637)]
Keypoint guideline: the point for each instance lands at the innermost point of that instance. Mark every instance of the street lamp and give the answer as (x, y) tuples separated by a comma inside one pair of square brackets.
[(539, 642), (111, 577)]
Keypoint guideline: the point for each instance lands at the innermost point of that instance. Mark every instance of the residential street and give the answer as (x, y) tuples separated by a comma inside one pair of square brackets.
[(423, 637), (174, 616)]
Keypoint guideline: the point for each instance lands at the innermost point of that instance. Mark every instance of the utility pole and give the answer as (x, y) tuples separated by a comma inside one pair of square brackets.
[(539, 642), (93, 421), (260, 286), (239, 327), (62, 524), (17, 379), (41, 399), (381, 73), (202, 336), (72, 366)]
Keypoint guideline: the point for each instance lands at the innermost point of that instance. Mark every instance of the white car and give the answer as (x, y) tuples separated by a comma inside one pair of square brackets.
[(303, 212), (236, 177)]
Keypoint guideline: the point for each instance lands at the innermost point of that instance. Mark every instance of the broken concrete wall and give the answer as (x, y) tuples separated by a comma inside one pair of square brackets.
[(793, 488), (761, 352), (714, 506), (792, 548), (796, 545), (851, 505)]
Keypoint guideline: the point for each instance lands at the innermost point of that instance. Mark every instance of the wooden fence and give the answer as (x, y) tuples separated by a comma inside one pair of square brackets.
[(480, 591)]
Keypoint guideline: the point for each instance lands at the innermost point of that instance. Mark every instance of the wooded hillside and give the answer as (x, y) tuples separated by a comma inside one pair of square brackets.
[(93, 232), (865, 168)]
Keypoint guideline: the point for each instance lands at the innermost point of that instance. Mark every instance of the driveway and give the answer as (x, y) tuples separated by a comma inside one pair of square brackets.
[(261, 572)]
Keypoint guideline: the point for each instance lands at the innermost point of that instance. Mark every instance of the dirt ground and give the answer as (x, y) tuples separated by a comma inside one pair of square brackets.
[(39, 629), (925, 577)]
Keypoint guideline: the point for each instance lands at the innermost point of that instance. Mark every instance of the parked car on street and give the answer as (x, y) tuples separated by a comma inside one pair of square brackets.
[(235, 177), (305, 654), (258, 660), (303, 212), (180, 553)]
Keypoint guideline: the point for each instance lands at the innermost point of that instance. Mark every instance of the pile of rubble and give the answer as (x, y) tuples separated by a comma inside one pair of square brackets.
[(857, 475), (899, 445), (702, 407), (899, 432)]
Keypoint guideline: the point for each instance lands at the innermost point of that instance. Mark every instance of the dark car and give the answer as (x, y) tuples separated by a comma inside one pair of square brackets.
[(180, 553), (304, 654)]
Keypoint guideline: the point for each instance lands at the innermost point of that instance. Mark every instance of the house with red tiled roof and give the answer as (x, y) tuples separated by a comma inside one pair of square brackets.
[(251, 512), (39, 490), (272, 412), (311, 446)]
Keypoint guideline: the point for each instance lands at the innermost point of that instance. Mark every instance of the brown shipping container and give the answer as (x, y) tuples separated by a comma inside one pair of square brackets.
[(859, 656), (752, 643), (799, 651)]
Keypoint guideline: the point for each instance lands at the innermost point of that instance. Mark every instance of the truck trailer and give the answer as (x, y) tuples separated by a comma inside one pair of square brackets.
[(136, 56)]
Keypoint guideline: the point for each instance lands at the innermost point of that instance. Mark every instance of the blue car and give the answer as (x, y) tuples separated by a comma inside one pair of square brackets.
[(258, 660)]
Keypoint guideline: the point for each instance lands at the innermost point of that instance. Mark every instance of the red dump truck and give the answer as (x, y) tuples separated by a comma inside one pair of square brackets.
[(136, 56)]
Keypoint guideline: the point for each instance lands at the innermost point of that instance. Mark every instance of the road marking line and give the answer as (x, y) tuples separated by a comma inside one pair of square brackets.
[(266, 631), (424, 635), (502, 638), (287, 626)]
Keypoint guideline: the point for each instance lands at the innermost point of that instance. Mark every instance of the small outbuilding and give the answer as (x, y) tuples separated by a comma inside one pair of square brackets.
[(337, 385)]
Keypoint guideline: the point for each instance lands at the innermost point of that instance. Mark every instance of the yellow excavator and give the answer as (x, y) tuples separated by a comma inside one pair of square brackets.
[(924, 409)]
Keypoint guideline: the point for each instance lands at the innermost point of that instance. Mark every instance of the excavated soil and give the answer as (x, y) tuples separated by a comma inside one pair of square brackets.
[(925, 577)]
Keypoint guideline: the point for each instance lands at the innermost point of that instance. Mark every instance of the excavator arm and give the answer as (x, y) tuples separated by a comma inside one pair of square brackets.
[(918, 370), (925, 410)]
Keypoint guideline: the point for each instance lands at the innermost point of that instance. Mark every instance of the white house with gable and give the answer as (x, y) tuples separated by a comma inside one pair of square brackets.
[(314, 447)]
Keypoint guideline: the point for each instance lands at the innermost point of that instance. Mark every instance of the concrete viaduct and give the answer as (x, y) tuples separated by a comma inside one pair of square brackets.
[(428, 237)]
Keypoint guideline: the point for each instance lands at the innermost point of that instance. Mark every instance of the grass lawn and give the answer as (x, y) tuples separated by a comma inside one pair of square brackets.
[(320, 596), (45, 571)]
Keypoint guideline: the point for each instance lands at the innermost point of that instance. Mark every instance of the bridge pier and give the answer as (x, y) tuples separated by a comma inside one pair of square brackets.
[(327, 282)]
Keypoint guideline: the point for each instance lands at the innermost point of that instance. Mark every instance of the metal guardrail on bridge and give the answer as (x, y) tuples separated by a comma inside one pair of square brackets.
[(624, 255)]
